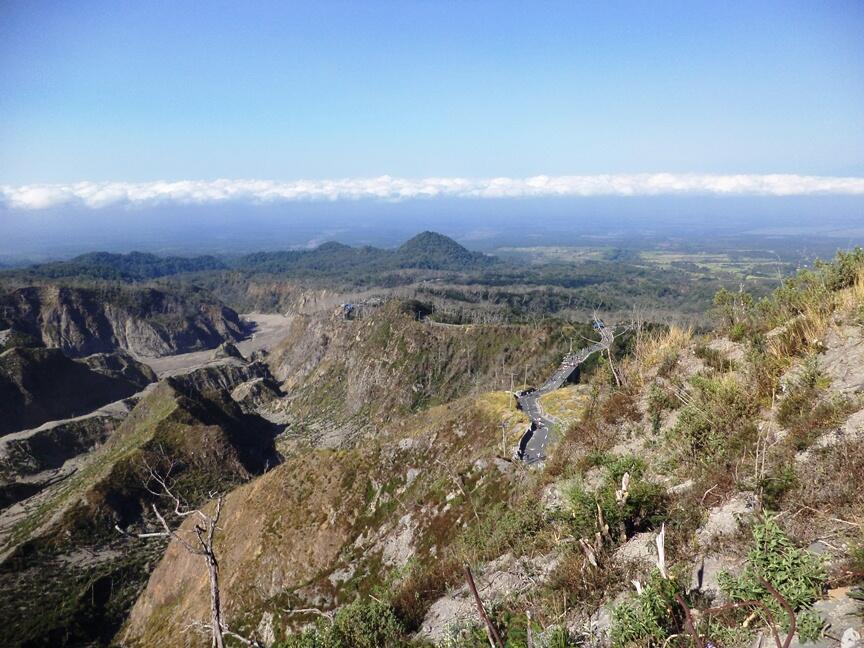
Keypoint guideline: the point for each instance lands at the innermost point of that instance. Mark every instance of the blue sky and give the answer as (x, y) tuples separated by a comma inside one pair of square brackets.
[(142, 91)]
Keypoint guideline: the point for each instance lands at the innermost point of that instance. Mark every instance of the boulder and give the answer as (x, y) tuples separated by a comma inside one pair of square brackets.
[(725, 520)]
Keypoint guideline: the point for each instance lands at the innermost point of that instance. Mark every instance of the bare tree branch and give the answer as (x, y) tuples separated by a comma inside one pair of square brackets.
[(204, 531)]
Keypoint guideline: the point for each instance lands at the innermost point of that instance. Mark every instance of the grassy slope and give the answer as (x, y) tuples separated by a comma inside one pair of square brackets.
[(325, 511)]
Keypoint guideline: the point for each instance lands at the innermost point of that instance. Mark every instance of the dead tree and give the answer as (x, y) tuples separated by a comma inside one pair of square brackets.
[(198, 541), (491, 630)]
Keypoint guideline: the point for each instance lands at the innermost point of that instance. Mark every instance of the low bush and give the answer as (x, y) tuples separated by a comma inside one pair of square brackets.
[(649, 617), (358, 625), (659, 401), (714, 359), (644, 507), (716, 420), (798, 575), (775, 485)]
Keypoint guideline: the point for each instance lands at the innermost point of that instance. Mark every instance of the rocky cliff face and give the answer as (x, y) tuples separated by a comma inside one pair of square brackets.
[(142, 321), (39, 385), (344, 376)]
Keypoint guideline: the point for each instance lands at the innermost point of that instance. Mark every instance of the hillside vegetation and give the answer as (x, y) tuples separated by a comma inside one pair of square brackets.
[(462, 285), (425, 251), (741, 449)]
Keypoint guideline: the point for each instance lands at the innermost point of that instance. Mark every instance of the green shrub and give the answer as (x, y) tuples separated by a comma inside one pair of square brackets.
[(358, 625), (776, 485), (645, 507), (558, 637), (649, 617), (659, 400), (713, 358), (857, 559), (843, 271), (739, 332), (811, 626), (798, 575), (811, 289), (733, 307), (717, 418)]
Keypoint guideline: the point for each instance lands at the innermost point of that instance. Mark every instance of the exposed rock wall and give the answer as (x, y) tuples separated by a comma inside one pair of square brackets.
[(142, 321)]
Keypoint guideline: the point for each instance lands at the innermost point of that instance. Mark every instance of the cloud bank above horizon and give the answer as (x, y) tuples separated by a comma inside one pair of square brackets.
[(202, 192)]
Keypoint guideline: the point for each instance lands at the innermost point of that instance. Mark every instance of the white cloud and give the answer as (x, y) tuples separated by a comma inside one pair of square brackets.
[(102, 194)]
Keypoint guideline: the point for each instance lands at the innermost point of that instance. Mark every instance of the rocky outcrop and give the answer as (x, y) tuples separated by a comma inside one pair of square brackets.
[(725, 520), (843, 359), (504, 577), (260, 396), (39, 385), (142, 321), (225, 374), (227, 350)]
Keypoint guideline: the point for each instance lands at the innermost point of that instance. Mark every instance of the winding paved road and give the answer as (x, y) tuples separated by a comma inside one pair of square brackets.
[(532, 447)]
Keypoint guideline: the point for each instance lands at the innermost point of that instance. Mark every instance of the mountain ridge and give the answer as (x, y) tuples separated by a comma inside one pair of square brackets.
[(427, 250)]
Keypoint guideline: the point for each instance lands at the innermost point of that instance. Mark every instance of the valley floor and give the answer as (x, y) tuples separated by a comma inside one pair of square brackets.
[(268, 329)]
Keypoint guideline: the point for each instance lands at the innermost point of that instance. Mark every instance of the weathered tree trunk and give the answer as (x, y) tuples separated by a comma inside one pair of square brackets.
[(215, 603)]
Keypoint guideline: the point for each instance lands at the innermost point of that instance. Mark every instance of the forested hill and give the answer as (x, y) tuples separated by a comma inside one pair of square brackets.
[(135, 266), (428, 250)]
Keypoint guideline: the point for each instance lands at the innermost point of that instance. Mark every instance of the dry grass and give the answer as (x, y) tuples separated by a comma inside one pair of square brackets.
[(813, 313), (800, 333), (657, 351), (501, 406), (566, 404), (851, 300)]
